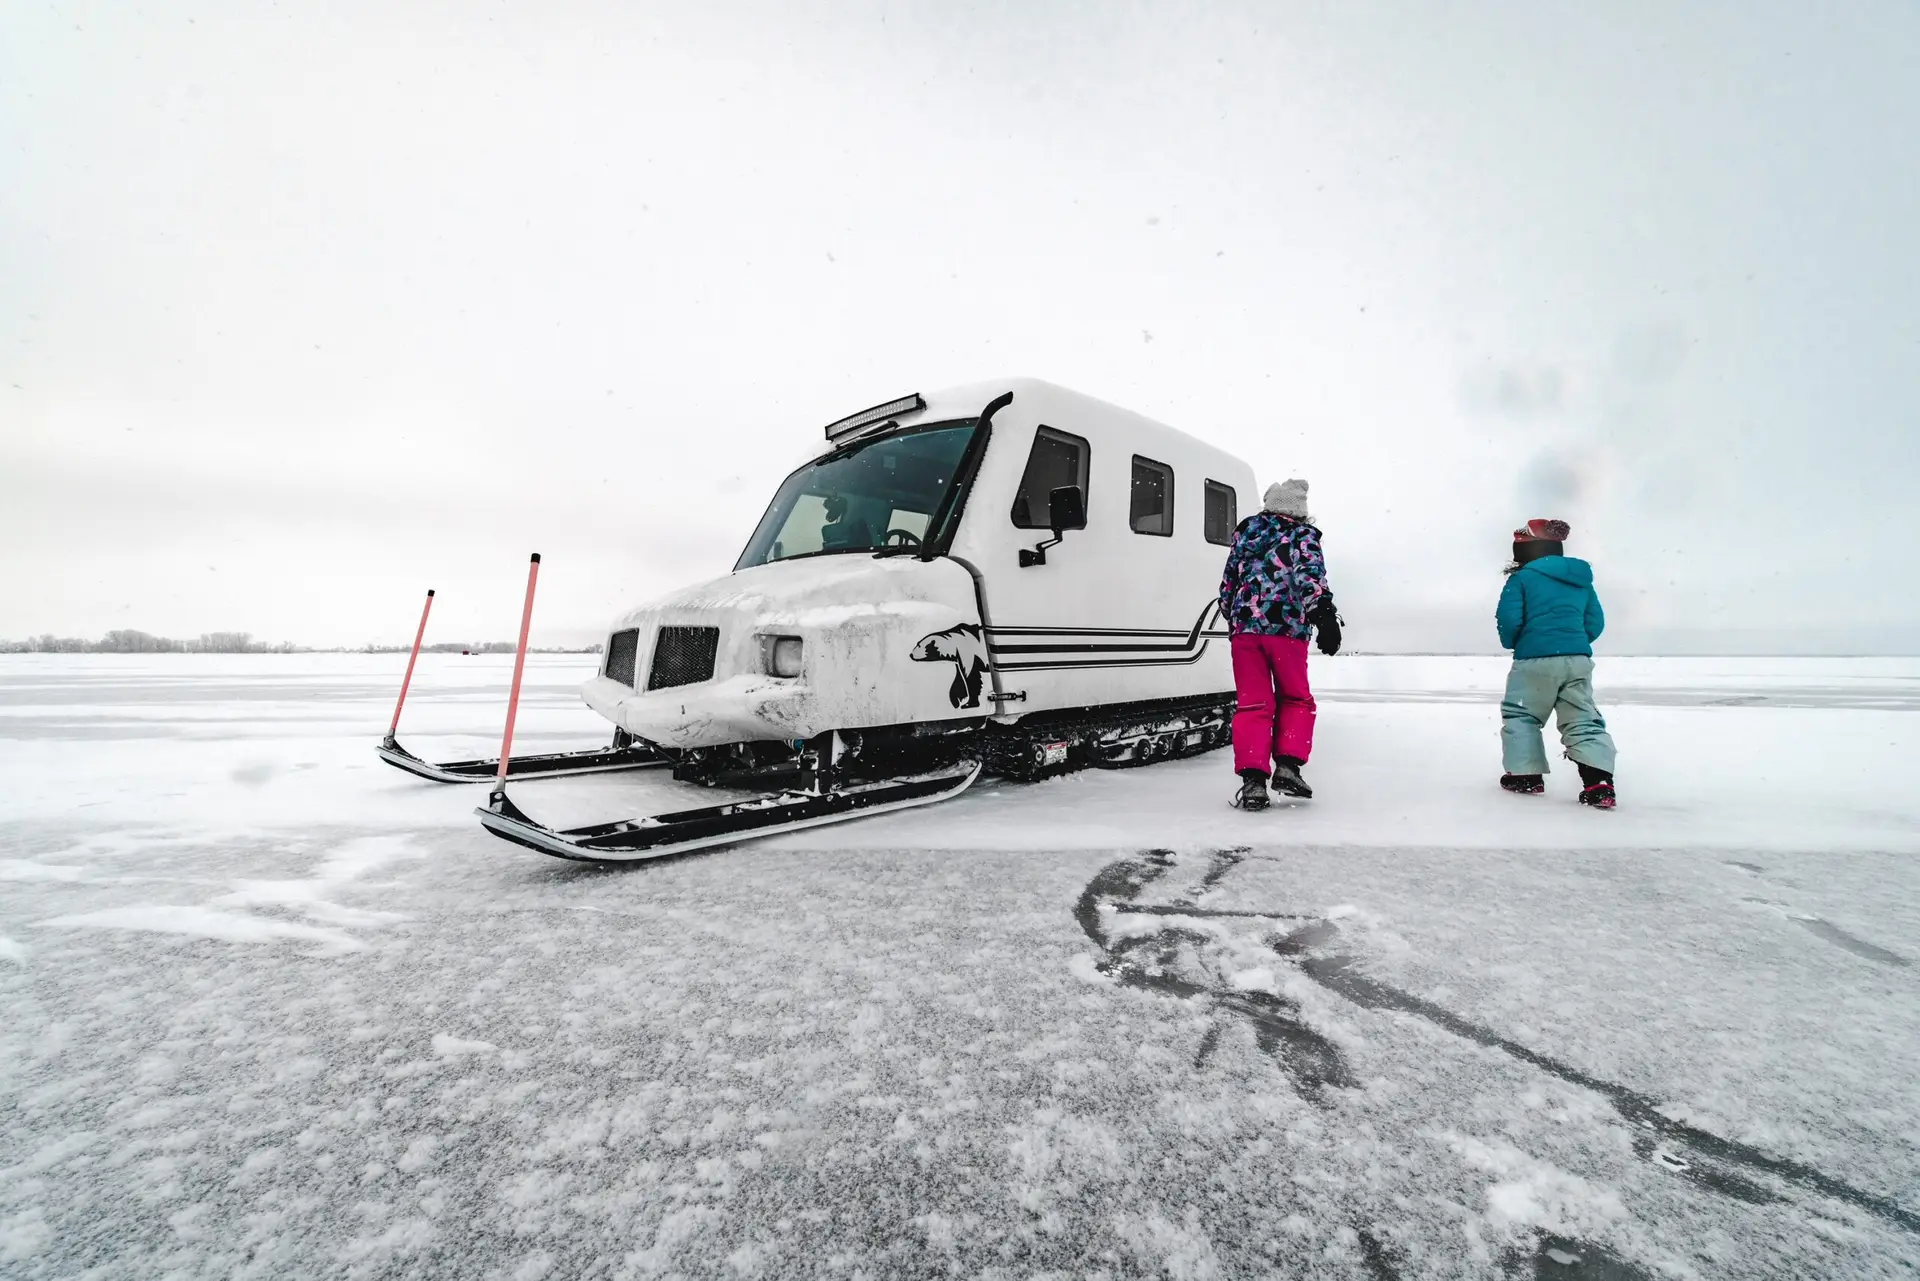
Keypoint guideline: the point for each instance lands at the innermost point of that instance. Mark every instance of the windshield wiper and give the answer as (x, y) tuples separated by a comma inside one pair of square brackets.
[(824, 551)]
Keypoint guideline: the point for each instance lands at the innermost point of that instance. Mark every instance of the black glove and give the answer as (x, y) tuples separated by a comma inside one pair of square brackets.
[(1326, 626)]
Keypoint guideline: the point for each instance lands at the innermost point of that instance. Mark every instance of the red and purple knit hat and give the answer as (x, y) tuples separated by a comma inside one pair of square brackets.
[(1543, 531)]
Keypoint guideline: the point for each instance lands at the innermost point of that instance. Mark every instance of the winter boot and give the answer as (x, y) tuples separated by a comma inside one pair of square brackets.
[(1287, 780), (1525, 784), (1253, 791), (1596, 787)]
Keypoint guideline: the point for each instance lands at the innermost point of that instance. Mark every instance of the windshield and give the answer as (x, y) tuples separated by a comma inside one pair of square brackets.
[(869, 495)]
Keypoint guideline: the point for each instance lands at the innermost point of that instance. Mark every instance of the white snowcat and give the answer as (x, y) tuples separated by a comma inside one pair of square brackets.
[(1007, 577)]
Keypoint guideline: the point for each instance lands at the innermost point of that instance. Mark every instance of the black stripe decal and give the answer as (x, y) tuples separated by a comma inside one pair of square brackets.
[(1191, 639), (1046, 666), (1090, 648), (1082, 631), (1180, 648)]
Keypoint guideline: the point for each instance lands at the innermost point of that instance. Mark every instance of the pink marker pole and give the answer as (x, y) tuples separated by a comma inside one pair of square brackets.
[(411, 660), (519, 666)]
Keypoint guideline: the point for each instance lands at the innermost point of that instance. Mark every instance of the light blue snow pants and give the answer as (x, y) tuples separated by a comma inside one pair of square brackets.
[(1562, 685)]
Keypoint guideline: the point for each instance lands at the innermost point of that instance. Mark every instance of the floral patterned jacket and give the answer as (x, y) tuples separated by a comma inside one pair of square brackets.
[(1275, 577)]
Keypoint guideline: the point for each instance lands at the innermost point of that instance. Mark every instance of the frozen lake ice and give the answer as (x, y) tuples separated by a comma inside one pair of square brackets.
[(271, 1008)]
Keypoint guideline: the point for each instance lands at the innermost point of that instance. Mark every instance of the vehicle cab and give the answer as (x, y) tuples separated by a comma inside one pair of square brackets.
[(991, 550)]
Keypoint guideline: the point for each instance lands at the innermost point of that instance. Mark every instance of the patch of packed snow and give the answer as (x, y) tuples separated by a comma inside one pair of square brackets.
[(200, 922), (26, 869), (448, 1047)]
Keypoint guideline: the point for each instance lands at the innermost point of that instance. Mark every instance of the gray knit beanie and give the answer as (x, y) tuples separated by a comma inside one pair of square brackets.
[(1289, 498)]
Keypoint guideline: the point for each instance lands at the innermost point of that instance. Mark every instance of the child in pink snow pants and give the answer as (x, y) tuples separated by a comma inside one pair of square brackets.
[(1274, 718), (1274, 596)]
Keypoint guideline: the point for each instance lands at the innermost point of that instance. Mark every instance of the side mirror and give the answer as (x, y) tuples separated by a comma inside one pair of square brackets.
[(1067, 507)]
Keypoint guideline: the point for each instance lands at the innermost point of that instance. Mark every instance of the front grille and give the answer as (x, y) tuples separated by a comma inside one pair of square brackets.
[(621, 649), (682, 656)]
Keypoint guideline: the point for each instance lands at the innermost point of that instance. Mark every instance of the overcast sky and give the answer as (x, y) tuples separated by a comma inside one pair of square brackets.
[(305, 309)]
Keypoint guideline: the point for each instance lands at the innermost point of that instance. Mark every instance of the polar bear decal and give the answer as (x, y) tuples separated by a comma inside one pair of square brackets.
[(962, 646)]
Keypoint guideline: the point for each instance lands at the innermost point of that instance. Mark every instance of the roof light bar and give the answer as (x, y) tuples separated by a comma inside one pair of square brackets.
[(879, 413)]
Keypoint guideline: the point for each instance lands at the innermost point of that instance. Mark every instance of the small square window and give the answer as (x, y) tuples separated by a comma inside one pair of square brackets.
[(1223, 513), (1151, 510), (1058, 460)]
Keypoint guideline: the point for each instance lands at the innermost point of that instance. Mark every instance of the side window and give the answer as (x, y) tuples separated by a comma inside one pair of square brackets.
[(1057, 461), (1151, 511), (1223, 513)]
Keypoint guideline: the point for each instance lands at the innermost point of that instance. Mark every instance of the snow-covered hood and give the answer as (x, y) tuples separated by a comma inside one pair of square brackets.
[(884, 641), (807, 593)]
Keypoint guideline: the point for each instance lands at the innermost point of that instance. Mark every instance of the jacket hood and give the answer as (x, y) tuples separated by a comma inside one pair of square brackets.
[(1273, 522), (1570, 570)]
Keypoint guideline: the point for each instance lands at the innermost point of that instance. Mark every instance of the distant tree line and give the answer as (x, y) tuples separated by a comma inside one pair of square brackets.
[(129, 641)]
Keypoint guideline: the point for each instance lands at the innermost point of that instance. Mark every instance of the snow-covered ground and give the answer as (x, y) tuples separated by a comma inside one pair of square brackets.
[(270, 1008)]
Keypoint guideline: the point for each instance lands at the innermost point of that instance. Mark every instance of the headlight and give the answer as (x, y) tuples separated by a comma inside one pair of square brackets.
[(782, 655)]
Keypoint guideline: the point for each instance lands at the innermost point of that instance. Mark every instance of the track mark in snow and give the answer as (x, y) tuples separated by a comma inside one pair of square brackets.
[(1714, 1179), (1223, 861), (1379, 1267), (1831, 933), (1754, 868), (1154, 962), (1310, 1059), (1339, 975), (1157, 962), (1219, 863), (1175, 909), (1847, 942), (1561, 1259), (1207, 1045), (1306, 938)]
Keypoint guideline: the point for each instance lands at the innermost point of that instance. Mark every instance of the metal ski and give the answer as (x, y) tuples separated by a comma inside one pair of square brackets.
[(632, 840), (625, 753), (596, 760)]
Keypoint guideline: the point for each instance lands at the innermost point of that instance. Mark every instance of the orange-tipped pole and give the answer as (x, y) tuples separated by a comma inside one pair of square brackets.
[(519, 666), (411, 660)]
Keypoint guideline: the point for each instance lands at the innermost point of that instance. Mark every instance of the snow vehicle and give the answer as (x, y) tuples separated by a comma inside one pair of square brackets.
[(1006, 578)]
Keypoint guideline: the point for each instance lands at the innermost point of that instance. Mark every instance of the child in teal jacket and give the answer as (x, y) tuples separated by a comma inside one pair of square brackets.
[(1549, 616)]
